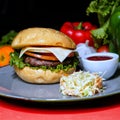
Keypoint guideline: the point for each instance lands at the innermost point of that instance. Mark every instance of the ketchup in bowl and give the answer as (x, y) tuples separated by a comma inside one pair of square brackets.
[(99, 58), (105, 64)]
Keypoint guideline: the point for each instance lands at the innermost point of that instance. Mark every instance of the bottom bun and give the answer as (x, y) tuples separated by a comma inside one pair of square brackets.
[(41, 76)]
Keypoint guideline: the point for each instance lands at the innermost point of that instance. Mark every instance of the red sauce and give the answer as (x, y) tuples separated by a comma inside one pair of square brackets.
[(99, 58)]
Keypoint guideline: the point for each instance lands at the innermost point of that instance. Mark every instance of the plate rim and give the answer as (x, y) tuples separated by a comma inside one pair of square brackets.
[(57, 100), (12, 95)]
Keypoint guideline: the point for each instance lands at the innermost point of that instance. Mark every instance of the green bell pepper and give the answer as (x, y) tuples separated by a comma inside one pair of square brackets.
[(114, 27)]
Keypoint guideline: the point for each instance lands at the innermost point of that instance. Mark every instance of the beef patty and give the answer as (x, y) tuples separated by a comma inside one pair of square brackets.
[(39, 62)]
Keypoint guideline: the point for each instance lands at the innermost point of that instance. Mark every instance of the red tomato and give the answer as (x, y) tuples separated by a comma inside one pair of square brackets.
[(104, 48)]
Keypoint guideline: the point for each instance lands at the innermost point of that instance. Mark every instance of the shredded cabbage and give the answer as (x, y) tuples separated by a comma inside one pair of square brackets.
[(81, 84)]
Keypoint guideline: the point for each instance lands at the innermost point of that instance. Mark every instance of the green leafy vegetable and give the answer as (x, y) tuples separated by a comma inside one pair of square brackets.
[(15, 60), (19, 62), (8, 38), (103, 9)]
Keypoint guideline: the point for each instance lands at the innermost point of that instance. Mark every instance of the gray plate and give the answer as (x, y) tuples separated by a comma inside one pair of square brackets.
[(11, 86)]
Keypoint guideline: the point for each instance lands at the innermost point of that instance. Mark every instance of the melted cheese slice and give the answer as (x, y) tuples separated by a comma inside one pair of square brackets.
[(60, 53)]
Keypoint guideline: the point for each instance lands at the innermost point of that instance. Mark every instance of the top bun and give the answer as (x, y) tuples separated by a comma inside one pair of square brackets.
[(37, 36)]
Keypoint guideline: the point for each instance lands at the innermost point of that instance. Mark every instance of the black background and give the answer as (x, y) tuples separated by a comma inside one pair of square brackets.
[(20, 14)]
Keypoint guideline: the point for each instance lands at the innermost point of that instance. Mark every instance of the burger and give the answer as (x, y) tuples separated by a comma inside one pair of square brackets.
[(43, 55)]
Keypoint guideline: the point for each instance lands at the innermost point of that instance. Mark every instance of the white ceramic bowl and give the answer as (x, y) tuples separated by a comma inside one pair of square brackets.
[(105, 68)]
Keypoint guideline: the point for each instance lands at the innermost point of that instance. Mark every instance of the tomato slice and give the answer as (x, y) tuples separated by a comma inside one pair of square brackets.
[(45, 56), (103, 48)]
